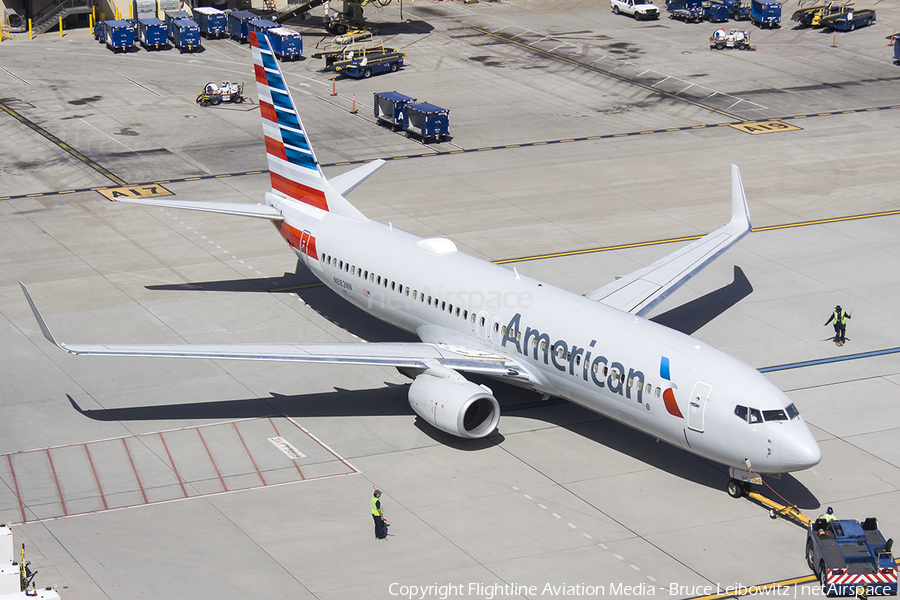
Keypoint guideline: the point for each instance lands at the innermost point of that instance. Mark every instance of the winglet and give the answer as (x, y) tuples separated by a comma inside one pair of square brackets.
[(37, 315), (740, 213)]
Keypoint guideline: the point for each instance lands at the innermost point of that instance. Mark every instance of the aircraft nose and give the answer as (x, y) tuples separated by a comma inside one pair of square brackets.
[(798, 449)]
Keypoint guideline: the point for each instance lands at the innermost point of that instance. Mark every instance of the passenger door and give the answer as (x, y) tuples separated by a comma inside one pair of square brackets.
[(697, 406)]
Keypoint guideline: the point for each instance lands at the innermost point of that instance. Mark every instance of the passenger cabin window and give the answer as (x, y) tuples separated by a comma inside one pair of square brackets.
[(792, 411), (755, 416), (657, 392), (741, 412), (774, 415)]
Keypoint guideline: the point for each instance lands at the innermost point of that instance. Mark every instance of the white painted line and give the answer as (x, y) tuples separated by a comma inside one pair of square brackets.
[(557, 516), (529, 497), (650, 577), (619, 557), (542, 506), (571, 525), (604, 546), (635, 567), (587, 536), (515, 488), (285, 446)]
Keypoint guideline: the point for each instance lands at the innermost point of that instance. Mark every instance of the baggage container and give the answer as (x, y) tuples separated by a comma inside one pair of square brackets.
[(259, 26), (239, 24), (213, 22), (119, 35), (152, 34), (171, 16), (765, 13), (286, 43), (427, 121), (143, 9), (185, 35), (390, 107)]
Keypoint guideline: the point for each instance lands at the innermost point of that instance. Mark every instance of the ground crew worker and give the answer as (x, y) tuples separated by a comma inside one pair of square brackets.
[(829, 515), (378, 515), (839, 317)]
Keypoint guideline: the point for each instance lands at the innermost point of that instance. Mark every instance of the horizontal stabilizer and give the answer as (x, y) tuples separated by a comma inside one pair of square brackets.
[(346, 182), (259, 211), (639, 292)]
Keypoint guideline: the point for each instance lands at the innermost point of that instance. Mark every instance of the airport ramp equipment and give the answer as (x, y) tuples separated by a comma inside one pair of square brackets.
[(286, 43), (144, 9), (185, 34), (213, 22), (689, 11), (164, 6), (390, 108), (427, 121), (765, 13), (152, 33), (119, 35), (239, 24), (294, 10), (171, 16)]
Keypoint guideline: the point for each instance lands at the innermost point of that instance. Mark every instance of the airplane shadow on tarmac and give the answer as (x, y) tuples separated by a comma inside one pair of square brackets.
[(392, 399)]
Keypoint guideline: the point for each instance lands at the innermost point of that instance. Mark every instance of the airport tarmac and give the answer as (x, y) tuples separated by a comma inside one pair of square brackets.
[(579, 139)]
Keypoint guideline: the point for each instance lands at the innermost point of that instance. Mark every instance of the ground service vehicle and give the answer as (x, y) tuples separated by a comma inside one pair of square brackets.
[(639, 9), (846, 555), (213, 94), (689, 11), (847, 19), (737, 10), (715, 12), (739, 40)]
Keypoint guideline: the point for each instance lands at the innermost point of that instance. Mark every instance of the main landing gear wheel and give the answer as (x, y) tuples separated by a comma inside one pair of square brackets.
[(735, 489)]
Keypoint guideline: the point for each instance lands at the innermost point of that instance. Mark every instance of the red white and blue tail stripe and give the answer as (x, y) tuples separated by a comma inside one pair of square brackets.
[(293, 167)]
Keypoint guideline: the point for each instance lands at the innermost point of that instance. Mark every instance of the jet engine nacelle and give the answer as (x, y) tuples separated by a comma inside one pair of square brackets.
[(454, 404)]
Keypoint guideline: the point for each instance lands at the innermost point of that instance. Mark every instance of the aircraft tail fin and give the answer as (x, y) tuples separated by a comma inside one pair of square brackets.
[(293, 168)]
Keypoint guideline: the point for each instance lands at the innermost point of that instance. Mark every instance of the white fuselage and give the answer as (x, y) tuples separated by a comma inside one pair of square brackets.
[(569, 346)]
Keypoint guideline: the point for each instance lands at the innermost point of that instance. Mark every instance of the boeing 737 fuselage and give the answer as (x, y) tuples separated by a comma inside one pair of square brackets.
[(476, 317)]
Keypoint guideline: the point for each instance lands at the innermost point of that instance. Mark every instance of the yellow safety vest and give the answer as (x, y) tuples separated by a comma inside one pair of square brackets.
[(828, 518), (375, 510), (840, 317)]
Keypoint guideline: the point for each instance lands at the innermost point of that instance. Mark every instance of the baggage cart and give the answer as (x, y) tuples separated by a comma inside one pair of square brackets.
[(239, 24), (427, 121), (152, 34), (390, 108), (119, 35), (213, 23), (185, 35)]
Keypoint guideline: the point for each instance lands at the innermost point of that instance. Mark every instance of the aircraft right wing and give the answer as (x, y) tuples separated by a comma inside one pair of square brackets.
[(639, 292), (415, 355)]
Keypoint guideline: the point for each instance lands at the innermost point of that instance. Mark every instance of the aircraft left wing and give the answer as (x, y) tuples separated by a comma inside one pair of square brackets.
[(639, 292), (402, 354)]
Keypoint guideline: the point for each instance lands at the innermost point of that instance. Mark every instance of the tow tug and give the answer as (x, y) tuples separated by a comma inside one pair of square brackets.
[(851, 558)]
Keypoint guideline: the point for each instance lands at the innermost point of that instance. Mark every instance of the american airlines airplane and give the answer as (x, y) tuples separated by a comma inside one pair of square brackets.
[(477, 318)]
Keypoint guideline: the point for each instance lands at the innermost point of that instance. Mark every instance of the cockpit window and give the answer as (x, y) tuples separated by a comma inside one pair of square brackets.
[(741, 411), (792, 411), (775, 415), (755, 416)]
